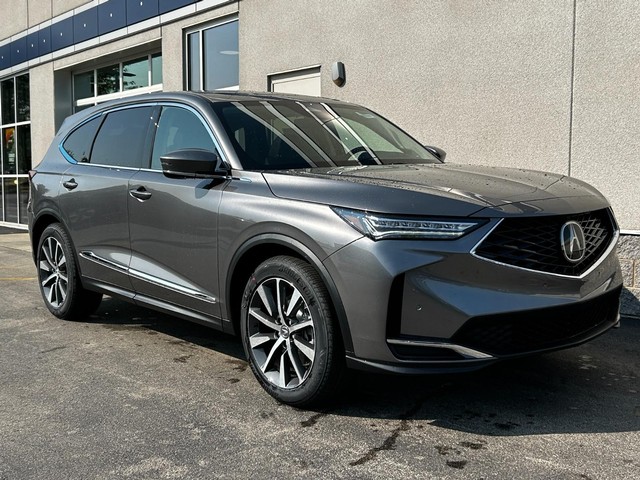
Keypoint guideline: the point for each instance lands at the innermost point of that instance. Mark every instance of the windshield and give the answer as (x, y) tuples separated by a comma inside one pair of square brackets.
[(285, 134)]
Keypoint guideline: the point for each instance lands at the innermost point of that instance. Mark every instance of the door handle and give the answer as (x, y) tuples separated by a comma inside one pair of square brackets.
[(70, 184), (140, 193)]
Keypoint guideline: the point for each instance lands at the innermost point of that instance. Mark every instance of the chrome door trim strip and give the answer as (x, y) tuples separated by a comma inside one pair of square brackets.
[(149, 278), (104, 262), (172, 286)]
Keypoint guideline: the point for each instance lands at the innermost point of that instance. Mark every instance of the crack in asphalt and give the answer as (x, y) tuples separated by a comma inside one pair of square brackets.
[(390, 442)]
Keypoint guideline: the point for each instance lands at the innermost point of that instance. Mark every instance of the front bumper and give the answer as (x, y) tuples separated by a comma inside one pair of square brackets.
[(418, 307)]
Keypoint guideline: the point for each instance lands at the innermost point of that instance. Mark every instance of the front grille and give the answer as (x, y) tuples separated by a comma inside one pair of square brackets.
[(514, 333), (534, 242)]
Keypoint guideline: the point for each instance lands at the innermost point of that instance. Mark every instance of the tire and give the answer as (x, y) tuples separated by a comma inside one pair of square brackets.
[(289, 332), (58, 277)]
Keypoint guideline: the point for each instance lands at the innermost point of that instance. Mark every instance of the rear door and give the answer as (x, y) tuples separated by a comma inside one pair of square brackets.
[(94, 191), (174, 221)]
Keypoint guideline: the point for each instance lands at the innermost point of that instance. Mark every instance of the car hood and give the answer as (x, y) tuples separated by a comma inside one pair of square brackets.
[(438, 189)]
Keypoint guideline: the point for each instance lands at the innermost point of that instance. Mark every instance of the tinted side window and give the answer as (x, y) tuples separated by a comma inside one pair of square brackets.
[(78, 144), (179, 129), (121, 139)]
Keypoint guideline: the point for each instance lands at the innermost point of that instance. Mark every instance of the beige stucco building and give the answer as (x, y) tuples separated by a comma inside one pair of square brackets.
[(548, 85)]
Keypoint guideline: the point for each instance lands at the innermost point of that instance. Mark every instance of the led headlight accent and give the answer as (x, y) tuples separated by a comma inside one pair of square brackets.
[(380, 227)]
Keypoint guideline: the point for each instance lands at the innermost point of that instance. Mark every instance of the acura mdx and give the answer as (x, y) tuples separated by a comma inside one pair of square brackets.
[(321, 233)]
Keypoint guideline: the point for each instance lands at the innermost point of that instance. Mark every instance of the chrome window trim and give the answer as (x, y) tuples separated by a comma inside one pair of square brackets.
[(612, 245), (155, 103)]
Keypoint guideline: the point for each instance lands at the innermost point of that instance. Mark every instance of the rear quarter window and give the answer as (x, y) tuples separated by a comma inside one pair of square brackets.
[(78, 144)]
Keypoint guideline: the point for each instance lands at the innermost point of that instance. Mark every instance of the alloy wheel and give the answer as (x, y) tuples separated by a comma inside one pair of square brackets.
[(281, 333), (52, 270)]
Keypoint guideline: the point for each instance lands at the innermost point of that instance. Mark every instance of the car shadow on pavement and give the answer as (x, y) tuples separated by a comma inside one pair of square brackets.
[(588, 389), (119, 315)]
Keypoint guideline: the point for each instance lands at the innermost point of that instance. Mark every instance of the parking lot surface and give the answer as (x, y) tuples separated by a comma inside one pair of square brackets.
[(130, 393)]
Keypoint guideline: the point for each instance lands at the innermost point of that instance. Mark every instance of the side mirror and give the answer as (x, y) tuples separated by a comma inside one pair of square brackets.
[(436, 152), (193, 163)]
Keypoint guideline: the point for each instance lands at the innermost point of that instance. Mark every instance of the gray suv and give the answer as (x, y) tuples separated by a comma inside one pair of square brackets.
[(321, 233)]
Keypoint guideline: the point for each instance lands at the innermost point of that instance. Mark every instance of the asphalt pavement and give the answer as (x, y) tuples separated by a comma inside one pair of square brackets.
[(133, 394)]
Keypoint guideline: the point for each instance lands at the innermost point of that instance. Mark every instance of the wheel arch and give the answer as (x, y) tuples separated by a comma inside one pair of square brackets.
[(43, 220), (258, 249)]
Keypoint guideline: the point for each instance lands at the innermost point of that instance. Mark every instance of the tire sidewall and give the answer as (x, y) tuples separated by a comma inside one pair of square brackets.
[(315, 379)]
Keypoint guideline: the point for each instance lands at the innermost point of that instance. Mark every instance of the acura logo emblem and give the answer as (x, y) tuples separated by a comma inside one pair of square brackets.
[(572, 242)]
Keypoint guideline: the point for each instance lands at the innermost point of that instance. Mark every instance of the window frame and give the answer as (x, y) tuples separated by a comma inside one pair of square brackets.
[(17, 177), (199, 29), (121, 93)]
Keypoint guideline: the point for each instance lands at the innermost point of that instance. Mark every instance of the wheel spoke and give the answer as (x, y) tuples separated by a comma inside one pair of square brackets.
[(267, 299), (301, 325), (295, 300), (274, 349), (279, 300), (63, 277), (48, 280), (262, 338), (269, 322), (45, 266), (304, 347), (295, 361), (282, 377), (51, 293), (46, 249)]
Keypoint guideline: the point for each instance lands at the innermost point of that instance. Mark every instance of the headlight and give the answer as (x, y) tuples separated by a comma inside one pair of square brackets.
[(378, 227)]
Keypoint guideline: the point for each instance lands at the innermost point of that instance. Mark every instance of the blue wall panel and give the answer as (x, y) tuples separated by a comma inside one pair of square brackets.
[(19, 51), (168, 5), (44, 41), (112, 15), (32, 46), (139, 10), (62, 34), (85, 25), (5, 56)]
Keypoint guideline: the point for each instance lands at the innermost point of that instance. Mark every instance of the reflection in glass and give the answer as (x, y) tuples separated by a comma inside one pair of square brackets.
[(9, 150), (10, 198), (22, 92), (135, 74), (23, 193), (156, 69), (24, 148), (8, 102), (83, 85), (221, 56), (194, 61), (108, 79)]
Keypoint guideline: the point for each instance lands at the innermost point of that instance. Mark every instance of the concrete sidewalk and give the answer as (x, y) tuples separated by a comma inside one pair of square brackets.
[(15, 239)]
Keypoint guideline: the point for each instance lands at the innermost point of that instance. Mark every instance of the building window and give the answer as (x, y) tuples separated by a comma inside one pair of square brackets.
[(212, 58), (138, 75), (15, 154)]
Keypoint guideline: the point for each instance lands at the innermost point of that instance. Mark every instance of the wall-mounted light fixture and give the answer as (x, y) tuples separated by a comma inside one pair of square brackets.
[(337, 73)]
